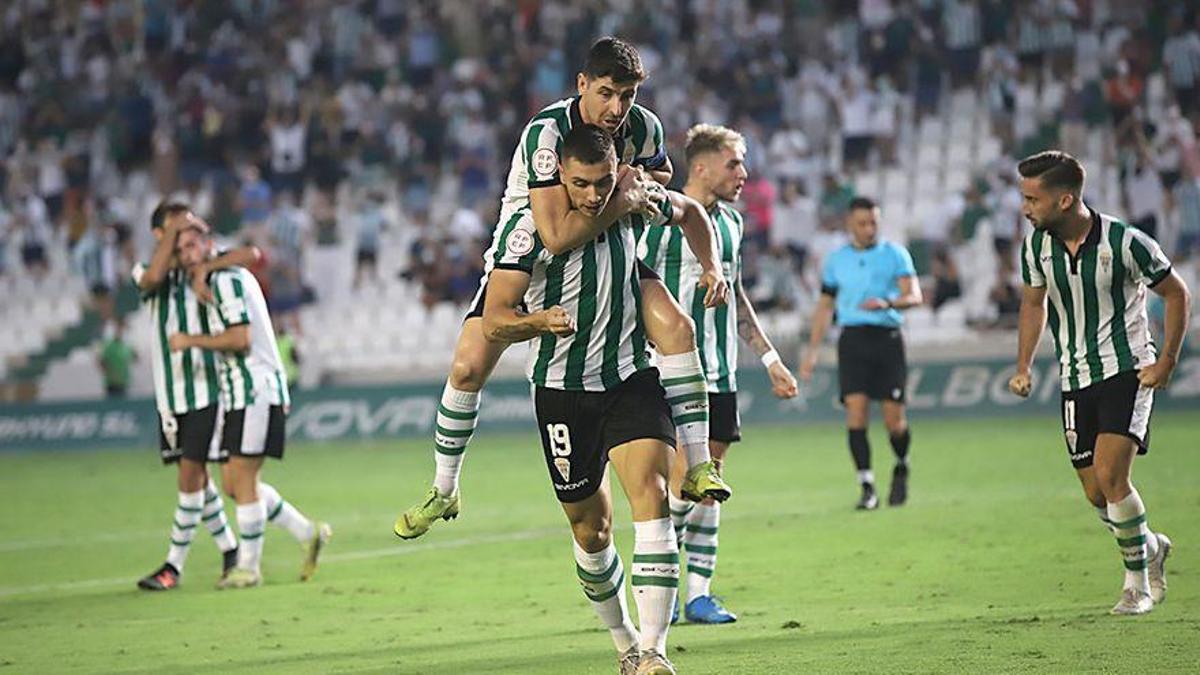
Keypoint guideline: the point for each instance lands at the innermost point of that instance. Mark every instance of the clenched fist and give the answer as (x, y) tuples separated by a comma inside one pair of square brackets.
[(556, 320)]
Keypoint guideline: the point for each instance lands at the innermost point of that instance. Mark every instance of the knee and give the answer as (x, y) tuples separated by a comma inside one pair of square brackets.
[(593, 533), (896, 427), (1113, 484), (676, 333), (466, 374)]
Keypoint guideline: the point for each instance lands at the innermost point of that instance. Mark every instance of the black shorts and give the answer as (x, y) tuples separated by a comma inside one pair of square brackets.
[(646, 273), (724, 420), (578, 428), (871, 361), (258, 430), (190, 435), (1118, 405)]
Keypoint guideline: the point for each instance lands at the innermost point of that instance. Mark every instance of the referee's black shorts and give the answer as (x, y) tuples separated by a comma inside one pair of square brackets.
[(871, 361)]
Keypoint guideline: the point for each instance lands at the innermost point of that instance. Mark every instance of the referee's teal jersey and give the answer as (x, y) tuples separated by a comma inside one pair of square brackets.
[(851, 275)]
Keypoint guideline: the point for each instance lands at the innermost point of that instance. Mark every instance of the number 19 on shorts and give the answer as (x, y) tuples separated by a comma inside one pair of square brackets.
[(560, 448)]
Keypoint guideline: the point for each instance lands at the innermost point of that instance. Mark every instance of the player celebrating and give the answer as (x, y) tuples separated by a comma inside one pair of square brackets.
[(596, 396), (869, 281), (185, 392), (1095, 270), (716, 174), (607, 88), (255, 399)]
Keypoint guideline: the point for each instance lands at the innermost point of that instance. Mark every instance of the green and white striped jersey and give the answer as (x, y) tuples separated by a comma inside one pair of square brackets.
[(185, 380), (639, 142), (598, 284), (665, 250), (250, 376), (1097, 298)]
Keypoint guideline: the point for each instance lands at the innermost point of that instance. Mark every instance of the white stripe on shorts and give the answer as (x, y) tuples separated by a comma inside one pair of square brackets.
[(255, 426), (1140, 420)]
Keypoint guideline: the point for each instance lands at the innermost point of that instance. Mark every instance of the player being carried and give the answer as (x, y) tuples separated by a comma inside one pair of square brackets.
[(716, 174), (608, 86), (1094, 270)]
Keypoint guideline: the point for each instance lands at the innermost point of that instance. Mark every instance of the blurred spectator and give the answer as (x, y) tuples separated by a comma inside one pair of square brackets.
[(946, 284), (1144, 196), (1181, 57), (97, 257), (115, 358), (834, 202), (775, 286), (287, 131), (371, 223), (1006, 295), (254, 198), (758, 197), (855, 109)]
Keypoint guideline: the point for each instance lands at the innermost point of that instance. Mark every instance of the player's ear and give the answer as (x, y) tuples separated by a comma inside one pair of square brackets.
[(581, 82)]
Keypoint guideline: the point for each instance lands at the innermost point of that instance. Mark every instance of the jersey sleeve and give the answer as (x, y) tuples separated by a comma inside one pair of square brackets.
[(650, 139), (138, 271), (230, 299), (1031, 272), (539, 148), (1148, 264), (519, 247), (829, 285), (904, 262)]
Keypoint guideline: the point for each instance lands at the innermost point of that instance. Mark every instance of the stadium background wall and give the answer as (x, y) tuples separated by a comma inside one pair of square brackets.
[(959, 389)]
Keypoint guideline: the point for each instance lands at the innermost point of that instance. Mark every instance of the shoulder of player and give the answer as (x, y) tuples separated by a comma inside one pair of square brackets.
[(645, 114), (554, 115), (727, 210), (522, 238)]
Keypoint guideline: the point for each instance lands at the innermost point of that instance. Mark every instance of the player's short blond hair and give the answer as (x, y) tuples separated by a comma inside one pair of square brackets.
[(705, 138)]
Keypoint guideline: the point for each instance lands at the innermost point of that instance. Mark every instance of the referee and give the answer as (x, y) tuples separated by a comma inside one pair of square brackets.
[(868, 281)]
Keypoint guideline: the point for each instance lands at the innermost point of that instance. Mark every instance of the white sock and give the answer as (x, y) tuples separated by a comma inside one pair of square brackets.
[(603, 580), (683, 379), (252, 519), (700, 543), (680, 508), (187, 517), (866, 477), (457, 415), (655, 580), (284, 514), (1129, 525), (1102, 511), (215, 520)]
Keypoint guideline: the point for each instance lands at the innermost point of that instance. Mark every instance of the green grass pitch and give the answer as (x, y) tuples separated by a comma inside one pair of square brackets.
[(995, 565)]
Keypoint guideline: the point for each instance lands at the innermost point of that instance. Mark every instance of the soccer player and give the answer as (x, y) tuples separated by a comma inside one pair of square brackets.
[(607, 88), (868, 281), (185, 392), (716, 174), (255, 400), (596, 397), (1095, 270)]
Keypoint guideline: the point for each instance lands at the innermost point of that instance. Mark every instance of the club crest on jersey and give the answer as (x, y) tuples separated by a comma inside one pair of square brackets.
[(564, 467), (1105, 258), (544, 163), (519, 242)]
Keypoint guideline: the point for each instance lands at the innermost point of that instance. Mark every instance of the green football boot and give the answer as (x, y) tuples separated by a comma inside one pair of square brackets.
[(417, 520), (704, 480)]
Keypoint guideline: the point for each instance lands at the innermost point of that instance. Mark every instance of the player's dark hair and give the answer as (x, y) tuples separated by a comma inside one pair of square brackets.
[(862, 203), (1056, 169), (615, 58), (588, 144), (159, 218)]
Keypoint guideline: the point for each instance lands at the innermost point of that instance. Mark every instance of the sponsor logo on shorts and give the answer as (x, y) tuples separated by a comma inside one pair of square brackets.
[(1076, 456), (572, 486)]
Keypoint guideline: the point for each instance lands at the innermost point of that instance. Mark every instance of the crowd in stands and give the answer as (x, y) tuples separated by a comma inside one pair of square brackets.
[(385, 127)]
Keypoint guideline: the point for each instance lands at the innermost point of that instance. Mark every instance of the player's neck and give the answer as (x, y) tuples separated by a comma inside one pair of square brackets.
[(707, 198), (1076, 226)]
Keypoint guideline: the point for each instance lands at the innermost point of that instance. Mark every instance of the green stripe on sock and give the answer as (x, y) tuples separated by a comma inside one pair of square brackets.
[(190, 509), (684, 398), (691, 417), (702, 550), (601, 597), (219, 531), (700, 529), (666, 582), (447, 450), (214, 514), (1131, 565), (1132, 541), (598, 578), (455, 415), (180, 543), (702, 571), (672, 381), (680, 513), (670, 558), (454, 433), (278, 508), (255, 535), (184, 527), (1132, 522), (212, 499)]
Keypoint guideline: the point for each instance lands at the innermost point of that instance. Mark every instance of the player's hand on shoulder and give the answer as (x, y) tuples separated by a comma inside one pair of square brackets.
[(178, 342), (717, 287), (783, 384), (1021, 384), (200, 286), (1157, 375), (558, 321)]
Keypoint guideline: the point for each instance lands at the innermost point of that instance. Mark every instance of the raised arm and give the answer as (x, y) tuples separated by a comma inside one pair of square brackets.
[(749, 329), (1178, 301), (242, 256), (164, 253), (1031, 321), (505, 321), (697, 229)]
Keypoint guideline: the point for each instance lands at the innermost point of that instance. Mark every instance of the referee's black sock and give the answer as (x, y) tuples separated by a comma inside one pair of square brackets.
[(900, 446), (860, 450)]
